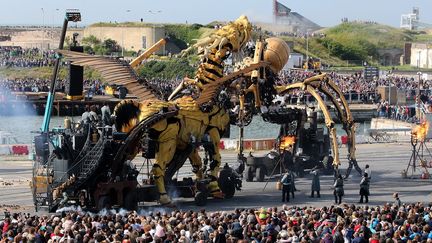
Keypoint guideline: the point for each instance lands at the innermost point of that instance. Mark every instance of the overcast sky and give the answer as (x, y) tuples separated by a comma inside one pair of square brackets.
[(323, 12)]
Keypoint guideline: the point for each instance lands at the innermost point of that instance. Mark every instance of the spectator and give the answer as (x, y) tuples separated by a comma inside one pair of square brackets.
[(338, 189), (315, 183), (397, 201), (368, 171), (93, 115), (106, 114), (286, 186), (364, 188)]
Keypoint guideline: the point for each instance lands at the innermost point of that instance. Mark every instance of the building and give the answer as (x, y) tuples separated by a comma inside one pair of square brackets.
[(390, 56), (131, 38), (291, 21), (421, 55), (410, 21)]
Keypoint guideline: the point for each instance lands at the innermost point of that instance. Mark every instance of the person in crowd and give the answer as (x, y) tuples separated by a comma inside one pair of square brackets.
[(93, 115), (85, 117), (122, 92), (106, 114), (286, 186), (316, 187), (368, 171), (397, 201), (338, 189), (332, 223), (364, 188)]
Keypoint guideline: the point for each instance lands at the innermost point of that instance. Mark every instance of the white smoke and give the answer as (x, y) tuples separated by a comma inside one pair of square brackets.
[(147, 212), (13, 103), (17, 115), (70, 209)]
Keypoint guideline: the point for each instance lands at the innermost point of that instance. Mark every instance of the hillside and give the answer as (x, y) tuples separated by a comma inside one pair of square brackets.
[(351, 43)]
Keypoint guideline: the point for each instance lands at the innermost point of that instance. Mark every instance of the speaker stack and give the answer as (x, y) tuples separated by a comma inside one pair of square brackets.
[(74, 84)]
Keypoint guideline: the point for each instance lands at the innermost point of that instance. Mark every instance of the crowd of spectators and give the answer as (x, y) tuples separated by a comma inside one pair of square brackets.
[(15, 56), (42, 85), (406, 113), (395, 222), (366, 90), (164, 86)]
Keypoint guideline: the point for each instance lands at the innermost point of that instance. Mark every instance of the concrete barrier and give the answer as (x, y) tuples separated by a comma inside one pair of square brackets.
[(5, 150), (248, 144), (270, 143), (14, 149)]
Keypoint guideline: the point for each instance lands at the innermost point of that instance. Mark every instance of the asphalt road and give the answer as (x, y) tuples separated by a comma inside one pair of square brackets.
[(386, 162)]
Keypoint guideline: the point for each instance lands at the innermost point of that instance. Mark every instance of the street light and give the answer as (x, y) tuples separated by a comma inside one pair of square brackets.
[(154, 27), (159, 11), (307, 46), (52, 23), (43, 28), (418, 59), (127, 11), (419, 82)]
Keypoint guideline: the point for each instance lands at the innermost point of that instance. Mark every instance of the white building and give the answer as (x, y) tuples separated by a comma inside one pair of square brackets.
[(421, 55), (295, 60)]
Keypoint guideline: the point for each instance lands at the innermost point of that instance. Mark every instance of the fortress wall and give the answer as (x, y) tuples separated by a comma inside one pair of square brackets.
[(133, 38)]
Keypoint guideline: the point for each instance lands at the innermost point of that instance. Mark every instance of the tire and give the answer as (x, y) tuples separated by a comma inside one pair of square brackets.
[(227, 184), (228, 188), (249, 172), (200, 199), (130, 201), (260, 173)]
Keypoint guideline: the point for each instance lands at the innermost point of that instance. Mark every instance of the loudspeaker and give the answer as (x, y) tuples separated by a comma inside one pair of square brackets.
[(74, 84)]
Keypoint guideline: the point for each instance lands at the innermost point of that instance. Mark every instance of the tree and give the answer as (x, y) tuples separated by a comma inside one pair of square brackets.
[(111, 46)]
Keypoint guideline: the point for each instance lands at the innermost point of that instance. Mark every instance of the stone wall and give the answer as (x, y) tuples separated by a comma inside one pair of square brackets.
[(131, 38), (421, 55)]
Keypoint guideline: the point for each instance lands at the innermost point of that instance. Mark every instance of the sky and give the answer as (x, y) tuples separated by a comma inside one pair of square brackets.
[(325, 13)]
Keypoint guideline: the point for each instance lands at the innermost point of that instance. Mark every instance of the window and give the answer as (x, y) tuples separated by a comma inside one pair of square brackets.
[(144, 42)]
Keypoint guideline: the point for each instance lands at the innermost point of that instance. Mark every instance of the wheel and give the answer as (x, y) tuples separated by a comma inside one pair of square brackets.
[(249, 173), (200, 199), (227, 182), (130, 201), (228, 187), (260, 173)]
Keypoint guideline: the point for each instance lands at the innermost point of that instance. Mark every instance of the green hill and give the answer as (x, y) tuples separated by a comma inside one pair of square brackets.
[(351, 43)]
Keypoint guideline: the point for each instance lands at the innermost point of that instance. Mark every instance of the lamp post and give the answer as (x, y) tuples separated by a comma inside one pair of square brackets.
[(307, 46), (122, 34), (52, 22), (154, 26), (43, 28), (419, 83), (418, 59)]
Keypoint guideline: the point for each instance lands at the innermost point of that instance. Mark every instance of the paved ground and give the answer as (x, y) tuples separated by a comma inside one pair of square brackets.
[(386, 161)]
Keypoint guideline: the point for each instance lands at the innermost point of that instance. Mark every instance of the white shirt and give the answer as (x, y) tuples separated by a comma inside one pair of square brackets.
[(368, 171)]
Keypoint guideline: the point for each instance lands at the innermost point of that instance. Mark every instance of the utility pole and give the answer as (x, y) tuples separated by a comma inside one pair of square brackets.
[(122, 34), (307, 46), (43, 28)]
